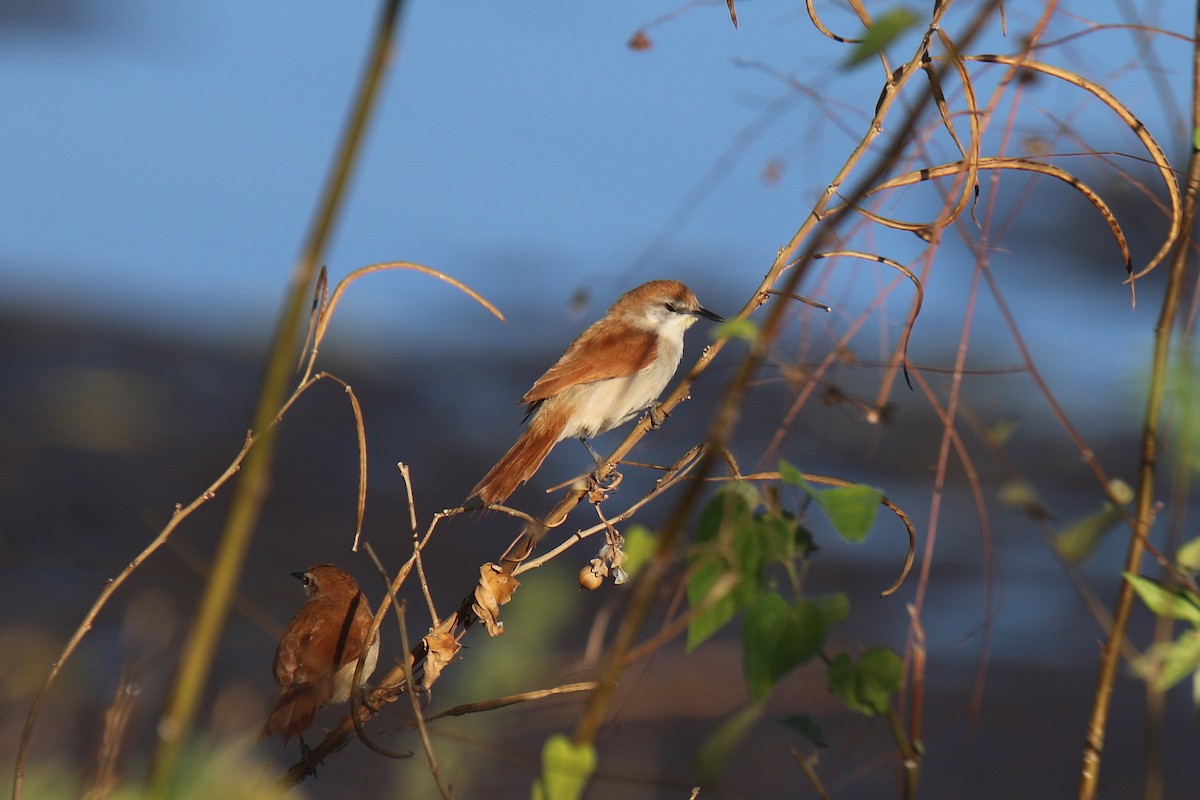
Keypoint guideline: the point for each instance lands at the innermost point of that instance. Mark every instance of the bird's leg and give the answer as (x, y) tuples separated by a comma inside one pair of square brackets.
[(601, 484), (306, 756), (595, 456), (656, 414)]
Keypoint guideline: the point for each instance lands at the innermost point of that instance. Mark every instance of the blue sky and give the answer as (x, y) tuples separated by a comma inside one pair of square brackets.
[(164, 165), (161, 163)]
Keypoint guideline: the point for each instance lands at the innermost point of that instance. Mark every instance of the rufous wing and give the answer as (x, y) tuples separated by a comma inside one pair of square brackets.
[(598, 354)]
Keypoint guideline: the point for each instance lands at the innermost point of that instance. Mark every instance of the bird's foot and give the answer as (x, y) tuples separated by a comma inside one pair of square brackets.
[(307, 757), (600, 487), (656, 414)]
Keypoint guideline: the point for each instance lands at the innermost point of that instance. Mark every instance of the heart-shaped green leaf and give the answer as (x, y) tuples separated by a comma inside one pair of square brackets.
[(566, 769), (777, 637)]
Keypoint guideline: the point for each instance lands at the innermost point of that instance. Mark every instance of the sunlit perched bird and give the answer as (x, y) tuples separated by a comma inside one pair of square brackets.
[(314, 664), (615, 369)]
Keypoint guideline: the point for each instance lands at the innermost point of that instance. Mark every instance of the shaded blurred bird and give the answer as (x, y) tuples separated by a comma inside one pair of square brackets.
[(317, 654), (615, 369)]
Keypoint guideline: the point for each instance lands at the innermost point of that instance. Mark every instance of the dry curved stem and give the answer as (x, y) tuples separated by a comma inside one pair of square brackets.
[(1014, 163), (326, 308), (918, 300), (970, 153), (829, 480), (1139, 130), (1124, 27), (875, 414), (361, 432), (820, 26)]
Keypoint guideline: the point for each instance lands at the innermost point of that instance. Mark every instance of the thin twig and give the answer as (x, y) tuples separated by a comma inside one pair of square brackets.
[(405, 662), (512, 699), (412, 518), (676, 473), (809, 772)]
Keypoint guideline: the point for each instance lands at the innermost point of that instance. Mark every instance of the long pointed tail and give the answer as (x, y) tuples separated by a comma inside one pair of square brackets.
[(524, 458)]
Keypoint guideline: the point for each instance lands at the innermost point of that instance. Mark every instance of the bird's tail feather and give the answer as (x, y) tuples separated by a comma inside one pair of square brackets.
[(294, 713), (524, 458)]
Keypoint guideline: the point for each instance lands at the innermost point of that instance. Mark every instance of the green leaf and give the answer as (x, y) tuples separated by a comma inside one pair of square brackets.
[(566, 769), (866, 687), (640, 544), (806, 727), (1020, 495), (791, 475), (851, 509), (887, 28), (834, 608), (777, 637), (1173, 603), (1168, 663), (999, 433), (1080, 539), (1187, 558), (750, 553), (777, 537), (711, 596), (1182, 658), (714, 752), (730, 508), (725, 565), (745, 328)]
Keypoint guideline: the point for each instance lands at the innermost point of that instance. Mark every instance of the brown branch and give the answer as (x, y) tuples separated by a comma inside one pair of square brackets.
[(1180, 251)]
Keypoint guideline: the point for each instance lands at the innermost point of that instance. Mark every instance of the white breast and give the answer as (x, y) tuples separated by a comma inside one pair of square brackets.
[(602, 405), (344, 679)]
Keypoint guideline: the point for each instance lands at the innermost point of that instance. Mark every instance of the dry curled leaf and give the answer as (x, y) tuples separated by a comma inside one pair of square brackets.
[(440, 649), (495, 588)]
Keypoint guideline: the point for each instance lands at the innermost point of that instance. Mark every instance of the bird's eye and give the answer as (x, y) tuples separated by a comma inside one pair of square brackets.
[(670, 307), (307, 581)]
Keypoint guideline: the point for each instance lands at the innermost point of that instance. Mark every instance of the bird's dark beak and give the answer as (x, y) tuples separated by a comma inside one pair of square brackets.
[(297, 575), (704, 312)]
